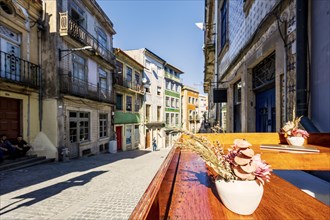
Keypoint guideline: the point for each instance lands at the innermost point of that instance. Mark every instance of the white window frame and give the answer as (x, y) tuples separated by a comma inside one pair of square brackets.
[(78, 119), (103, 125)]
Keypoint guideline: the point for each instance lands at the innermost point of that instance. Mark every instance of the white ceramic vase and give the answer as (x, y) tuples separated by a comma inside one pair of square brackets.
[(296, 141), (241, 197)]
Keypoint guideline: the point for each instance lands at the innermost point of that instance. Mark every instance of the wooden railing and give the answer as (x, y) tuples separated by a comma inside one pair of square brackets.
[(184, 188)]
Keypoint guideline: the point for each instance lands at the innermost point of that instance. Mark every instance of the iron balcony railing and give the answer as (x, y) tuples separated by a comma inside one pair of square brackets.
[(192, 118), (77, 87), (20, 71), (70, 27), (128, 84), (171, 76)]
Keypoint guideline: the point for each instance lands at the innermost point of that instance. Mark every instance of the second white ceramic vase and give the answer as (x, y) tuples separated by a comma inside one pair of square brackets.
[(296, 141)]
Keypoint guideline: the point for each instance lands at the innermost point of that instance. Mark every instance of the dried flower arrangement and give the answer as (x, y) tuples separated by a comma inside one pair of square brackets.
[(291, 129), (240, 163)]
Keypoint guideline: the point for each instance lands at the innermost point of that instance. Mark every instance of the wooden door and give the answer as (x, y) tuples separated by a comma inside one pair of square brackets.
[(148, 139), (119, 138), (10, 117)]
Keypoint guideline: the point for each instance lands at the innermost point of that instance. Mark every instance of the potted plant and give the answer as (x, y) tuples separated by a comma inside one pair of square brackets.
[(292, 133), (240, 173)]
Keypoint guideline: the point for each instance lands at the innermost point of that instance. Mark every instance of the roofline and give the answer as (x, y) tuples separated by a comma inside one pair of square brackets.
[(107, 20), (155, 55), (190, 88), (118, 50), (173, 67)]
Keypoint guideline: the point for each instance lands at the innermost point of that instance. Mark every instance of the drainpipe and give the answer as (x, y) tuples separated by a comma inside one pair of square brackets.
[(215, 38), (301, 64), (285, 80), (28, 118), (40, 81), (40, 34), (301, 70)]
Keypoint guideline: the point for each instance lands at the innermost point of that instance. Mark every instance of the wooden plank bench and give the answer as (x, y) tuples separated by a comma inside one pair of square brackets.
[(184, 188)]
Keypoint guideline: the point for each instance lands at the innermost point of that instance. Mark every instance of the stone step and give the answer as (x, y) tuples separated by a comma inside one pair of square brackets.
[(23, 162)]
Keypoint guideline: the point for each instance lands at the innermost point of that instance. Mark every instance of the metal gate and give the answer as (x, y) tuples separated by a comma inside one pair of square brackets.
[(264, 88)]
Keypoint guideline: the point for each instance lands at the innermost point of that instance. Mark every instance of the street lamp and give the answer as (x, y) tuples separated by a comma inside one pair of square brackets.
[(71, 51)]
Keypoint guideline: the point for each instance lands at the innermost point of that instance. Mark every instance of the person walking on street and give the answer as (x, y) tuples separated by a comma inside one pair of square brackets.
[(154, 145)]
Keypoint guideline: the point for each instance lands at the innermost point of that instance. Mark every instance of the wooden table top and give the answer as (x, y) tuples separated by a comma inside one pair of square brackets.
[(195, 197), (281, 160)]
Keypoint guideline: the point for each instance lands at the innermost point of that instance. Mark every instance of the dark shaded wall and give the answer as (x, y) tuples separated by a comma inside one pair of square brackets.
[(320, 68)]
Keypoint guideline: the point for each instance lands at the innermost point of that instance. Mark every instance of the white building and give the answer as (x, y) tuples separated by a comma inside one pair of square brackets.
[(153, 79)]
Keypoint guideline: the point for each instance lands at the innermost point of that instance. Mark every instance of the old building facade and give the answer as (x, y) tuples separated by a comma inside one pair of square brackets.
[(20, 72), (260, 55), (190, 109), (129, 102), (172, 97), (78, 64), (153, 80)]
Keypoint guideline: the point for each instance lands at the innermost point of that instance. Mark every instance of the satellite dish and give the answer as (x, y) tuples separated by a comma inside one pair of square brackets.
[(144, 80)]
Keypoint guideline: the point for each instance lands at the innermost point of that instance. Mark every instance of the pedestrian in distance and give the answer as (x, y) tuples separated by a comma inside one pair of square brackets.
[(154, 145)]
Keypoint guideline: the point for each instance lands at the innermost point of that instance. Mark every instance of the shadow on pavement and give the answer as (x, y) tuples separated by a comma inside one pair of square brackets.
[(47, 192), (17, 179)]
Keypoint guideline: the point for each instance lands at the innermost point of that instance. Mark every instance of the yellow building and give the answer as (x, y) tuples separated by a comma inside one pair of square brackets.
[(129, 101), (190, 109), (20, 36)]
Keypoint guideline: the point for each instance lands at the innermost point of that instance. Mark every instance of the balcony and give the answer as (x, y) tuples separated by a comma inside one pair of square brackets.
[(69, 27), (77, 87), (128, 84), (16, 70), (171, 76), (192, 118)]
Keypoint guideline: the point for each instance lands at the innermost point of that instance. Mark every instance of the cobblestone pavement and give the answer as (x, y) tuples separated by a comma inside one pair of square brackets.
[(105, 186)]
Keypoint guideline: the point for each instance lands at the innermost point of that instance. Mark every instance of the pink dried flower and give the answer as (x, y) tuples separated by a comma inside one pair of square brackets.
[(291, 129), (230, 156), (262, 172), (300, 133), (245, 164), (241, 143)]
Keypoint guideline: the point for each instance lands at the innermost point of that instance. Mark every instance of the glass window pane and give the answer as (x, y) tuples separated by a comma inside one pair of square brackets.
[(119, 102), (128, 134), (128, 74), (72, 114), (128, 103)]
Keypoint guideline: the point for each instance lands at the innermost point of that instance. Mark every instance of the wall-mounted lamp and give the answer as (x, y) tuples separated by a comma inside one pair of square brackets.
[(71, 51)]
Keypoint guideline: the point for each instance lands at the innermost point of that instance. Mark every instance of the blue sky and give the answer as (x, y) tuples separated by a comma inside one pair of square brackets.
[(166, 27)]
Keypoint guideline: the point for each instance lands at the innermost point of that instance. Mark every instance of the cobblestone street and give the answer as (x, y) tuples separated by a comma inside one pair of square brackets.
[(105, 186)]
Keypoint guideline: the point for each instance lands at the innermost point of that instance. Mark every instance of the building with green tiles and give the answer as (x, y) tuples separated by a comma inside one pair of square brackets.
[(172, 105)]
